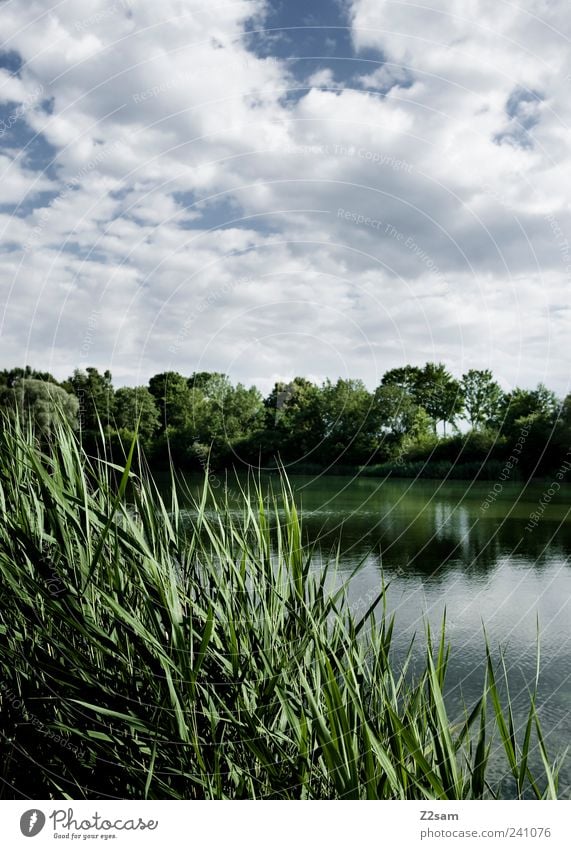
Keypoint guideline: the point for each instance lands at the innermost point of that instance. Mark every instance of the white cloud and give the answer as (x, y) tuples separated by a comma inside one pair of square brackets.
[(18, 182), (160, 118)]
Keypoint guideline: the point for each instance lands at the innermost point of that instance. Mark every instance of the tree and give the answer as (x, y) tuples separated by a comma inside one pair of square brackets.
[(562, 431), (287, 399), (294, 419), (94, 392), (243, 412), (520, 408), (406, 378), (399, 414), (173, 398), (211, 392), (351, 420), (40, 402), (482, 397), (530, 421), (223, 415), (8, 377), (432, 388), (439, 393), (212, 383), (134, 405)]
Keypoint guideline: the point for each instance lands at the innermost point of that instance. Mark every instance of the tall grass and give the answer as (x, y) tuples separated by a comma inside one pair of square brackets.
[(151, 653)]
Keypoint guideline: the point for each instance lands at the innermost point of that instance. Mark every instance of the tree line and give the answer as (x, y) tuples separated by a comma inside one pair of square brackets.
[(418, 413)]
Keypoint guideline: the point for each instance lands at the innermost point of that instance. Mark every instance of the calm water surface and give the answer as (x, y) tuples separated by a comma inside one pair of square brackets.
[(441, 549)]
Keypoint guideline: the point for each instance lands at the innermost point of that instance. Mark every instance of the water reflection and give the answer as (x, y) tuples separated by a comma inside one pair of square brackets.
[(428, 526)]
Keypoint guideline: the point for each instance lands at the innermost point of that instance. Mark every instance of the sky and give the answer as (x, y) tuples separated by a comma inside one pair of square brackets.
[(271, 189)]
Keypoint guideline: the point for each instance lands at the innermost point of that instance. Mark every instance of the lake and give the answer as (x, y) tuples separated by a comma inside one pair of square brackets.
[(439, 548)]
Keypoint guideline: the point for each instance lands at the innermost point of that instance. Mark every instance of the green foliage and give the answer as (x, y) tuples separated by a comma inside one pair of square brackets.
[(94, 392), (486, 470), (295, 426), (173, 398), (154, 652), (330, 426), (406, 378), (39, 402), (523, 407), (482, 397), (431, 388), (529, 419), (222, 413), (404, 419), (136, 406), (438, 393), (8, 377), (222, 417), (351, 421), (561, 437), (476, 455)]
